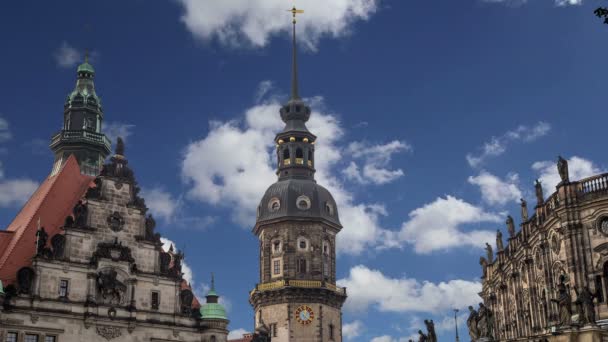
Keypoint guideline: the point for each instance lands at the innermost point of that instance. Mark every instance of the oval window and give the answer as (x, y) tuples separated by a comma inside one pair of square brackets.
[(274, 204), (303, 202)]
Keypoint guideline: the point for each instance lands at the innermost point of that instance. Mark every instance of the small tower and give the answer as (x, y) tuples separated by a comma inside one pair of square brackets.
[(297, 223), (213, 315), (81, 134)]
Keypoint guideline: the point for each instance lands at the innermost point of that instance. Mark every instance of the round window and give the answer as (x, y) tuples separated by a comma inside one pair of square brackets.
[(274, 204), (302, 244), (303, 202), (603, 226)]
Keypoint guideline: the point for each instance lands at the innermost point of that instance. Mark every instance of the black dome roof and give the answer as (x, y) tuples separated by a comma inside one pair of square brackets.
[(297, 198)]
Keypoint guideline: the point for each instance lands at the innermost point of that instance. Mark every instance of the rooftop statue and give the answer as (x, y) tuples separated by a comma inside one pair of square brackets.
[(562, 168), (499, 245)]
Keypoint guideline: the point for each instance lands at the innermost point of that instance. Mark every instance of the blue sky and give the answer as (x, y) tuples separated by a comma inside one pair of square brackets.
[(434, 118)]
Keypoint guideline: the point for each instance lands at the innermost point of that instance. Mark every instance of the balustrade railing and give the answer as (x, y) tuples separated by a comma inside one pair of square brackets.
[(82, 135), (593, 184), (297, 283)]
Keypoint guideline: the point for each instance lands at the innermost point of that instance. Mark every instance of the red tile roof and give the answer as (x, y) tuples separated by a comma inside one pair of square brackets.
[(248, 337), (51, 202)]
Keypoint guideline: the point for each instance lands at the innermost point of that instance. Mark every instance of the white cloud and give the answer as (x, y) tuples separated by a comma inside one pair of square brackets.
[(375, 160), (5, 133), (186, 270), (236, 334), (15, 192), (578, 167), (161, 203), (252, 23), (67, 56), (496, 191), (352, 329), (113, 130), (522, 2), (437, 226), (369, 287), (387, 338), (498, 145), (234, 165)]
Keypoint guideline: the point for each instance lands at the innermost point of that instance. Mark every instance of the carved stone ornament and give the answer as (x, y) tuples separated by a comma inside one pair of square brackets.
[(602, 226), (108, 332), (116, 222), (112, 250), (538, 259), (556, 243)]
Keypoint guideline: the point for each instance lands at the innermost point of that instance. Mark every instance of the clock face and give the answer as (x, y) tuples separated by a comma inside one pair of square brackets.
[(304, 314)]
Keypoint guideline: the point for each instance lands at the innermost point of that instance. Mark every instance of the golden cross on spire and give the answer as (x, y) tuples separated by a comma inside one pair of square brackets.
[(295, 11)]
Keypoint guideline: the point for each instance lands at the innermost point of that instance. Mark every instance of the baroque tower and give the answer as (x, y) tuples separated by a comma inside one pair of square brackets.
[(297, 222), (81, 134)]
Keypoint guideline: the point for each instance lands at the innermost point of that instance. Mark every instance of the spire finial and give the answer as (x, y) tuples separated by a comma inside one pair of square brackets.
[(86, 55), (212, 282), (294, 67)]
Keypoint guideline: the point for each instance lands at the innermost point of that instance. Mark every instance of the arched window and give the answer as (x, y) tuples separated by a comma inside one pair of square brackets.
[(212, 338), (286, 153), (299, 156), (302, 266), (310, 157)]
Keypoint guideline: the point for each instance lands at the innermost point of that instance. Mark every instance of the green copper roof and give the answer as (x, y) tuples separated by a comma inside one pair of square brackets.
[(213, 310), (86, 67)]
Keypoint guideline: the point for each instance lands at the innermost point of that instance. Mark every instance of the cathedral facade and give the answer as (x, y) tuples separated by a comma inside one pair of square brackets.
[(550, 282), (296, 298), (82, 260)]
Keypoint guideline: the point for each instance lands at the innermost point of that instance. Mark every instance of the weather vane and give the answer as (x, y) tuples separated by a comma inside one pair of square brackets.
[(295, 11)]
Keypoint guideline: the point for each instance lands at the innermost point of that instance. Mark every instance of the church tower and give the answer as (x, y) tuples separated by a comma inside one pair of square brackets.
[(297, 222), (81, 134)]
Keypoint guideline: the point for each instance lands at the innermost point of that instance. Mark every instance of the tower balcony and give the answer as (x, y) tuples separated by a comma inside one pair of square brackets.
[(81, 136), (309, 284)]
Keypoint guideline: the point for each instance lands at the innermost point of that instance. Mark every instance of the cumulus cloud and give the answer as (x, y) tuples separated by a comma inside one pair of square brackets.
[(5, 133), (375, 159), (498, 145), (496, 191), (387, 338), (234, 164), (67, 56), (113, 130), (161, 203), (15, 192), (352, 329), (236, 334), (371, 288), (578, 168), (252, 23), (438, 225)]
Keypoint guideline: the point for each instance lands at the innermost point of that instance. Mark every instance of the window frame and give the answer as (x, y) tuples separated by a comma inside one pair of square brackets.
[(14, 333), (67, 288), (26, 335), (152, 306)]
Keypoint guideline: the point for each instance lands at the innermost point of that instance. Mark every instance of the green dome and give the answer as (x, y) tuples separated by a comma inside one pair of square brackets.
[(213, 310), (86, 67)]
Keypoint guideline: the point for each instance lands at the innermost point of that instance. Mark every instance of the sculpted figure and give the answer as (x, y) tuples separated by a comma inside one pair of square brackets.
[(430, 327), (499, 246), (485, 322), (510, 226), (524, 209), (261, 333), (150, 226), (120, 147), (538, 187), (562, 168), (484, 265), (584, 301), (564, 303), (422, 337), (41, 238), (58, 243), (472, 324), (80, 214), (489, 253)]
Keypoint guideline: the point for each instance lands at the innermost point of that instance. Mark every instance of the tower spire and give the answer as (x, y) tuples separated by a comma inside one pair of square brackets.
[(294, 66)]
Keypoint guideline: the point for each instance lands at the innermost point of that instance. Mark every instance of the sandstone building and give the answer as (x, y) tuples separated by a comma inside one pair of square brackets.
[(297, 222), (550, 282), (82, 261)]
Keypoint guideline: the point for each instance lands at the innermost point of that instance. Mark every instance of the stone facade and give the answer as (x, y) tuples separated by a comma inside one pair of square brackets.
[(107, 280), (562, 245)]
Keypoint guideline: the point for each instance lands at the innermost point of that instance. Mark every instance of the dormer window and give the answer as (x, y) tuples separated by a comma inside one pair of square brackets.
[(302, 244), (276, 246), (329, 208), (274, 204), (303, 202)]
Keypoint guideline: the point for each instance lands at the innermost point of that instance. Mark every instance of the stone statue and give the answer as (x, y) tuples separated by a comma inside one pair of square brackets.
[(41, 238), (120, 147), (110, 287), (499, 245), (165, 261), (25, 278), (489, 253), (485, 322), (510, 226), (430, 327), (524, 210), (562, 168), (584, 301), (261, 333), (150, 226), (58, 243), (484, 265), (472, 324), (186, 297), (422, 337), (564, 303), (539, 193), (80, 214)]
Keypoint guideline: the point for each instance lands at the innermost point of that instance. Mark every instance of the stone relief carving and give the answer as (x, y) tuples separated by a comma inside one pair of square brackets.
[(111, 290), (556, 243), (108, 332), (113, 250), (116, 221)]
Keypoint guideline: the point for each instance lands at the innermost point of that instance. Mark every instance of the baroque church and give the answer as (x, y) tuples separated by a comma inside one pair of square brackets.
[(82, 260), (550, 282)]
